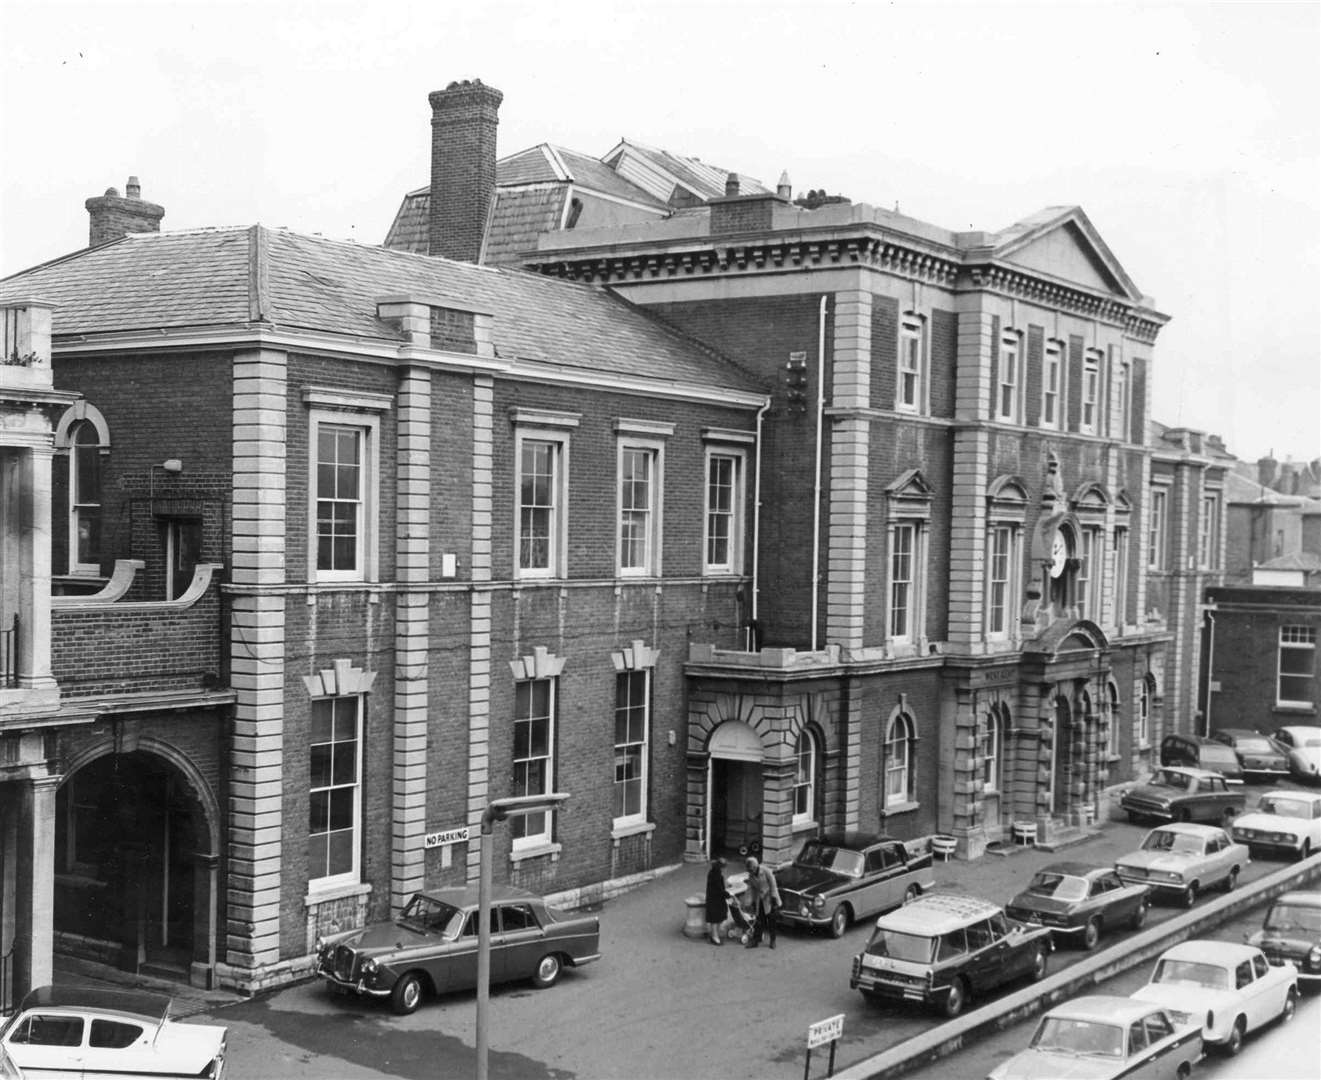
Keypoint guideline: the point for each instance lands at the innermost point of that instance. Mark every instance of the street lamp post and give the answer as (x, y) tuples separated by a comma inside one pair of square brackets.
[(496, 810)]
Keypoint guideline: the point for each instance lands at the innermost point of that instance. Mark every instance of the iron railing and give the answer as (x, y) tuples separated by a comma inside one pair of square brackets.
[(9, 654)]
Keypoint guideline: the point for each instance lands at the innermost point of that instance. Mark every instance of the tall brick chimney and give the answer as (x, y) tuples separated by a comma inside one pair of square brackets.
[(463, 121), (114, 215)]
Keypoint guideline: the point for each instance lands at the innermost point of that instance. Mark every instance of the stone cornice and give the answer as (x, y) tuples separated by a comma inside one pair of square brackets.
[(1141, 323)]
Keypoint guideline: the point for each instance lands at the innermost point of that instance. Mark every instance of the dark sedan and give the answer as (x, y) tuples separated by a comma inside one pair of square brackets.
[(431, 947), (1078, 901), (1259, 754), (841, 877), (1184, 795)]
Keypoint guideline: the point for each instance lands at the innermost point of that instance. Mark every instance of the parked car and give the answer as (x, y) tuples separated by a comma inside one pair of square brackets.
[(8, 1070), (1105, 1037), (1231, 988), (431, 947), (1291, 933), (1285, 822), (1078, 901), (1178, 794), (841, 877), (69, 1031), (1197, 752), (1303, 745), (1184, 860), (942, 949), (1258, 754)]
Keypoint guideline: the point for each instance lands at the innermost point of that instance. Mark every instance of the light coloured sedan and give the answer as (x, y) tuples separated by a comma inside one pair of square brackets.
[(1285, 822), (1303, 742), (1100, 1036), (1184, 860), (1231, 988)]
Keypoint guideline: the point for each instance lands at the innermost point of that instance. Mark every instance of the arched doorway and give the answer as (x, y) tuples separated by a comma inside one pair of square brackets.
[(1061, 750), (734, 784), (134, 865)]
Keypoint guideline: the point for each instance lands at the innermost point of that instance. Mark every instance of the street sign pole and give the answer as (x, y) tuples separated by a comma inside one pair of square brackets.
[(820, 1033)]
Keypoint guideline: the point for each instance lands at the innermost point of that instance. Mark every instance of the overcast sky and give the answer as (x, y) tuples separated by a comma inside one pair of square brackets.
[(1188, 132)]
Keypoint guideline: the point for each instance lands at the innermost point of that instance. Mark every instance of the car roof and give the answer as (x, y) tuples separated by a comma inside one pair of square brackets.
[(470, 895), (850, 838), (1208, 951), (1200, 774), (1075, 869), (1242, 732), (142, 1004), (1189, 828), (1108, 1007), (938, 913), (1300, 899), (1290, 793)]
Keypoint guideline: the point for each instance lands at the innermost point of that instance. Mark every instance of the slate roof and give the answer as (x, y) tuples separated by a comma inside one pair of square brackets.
[(519, 216), (232, 277)]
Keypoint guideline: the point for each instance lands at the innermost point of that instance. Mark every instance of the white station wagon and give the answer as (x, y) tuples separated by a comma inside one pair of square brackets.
[(67, 1033), (1231, 988)]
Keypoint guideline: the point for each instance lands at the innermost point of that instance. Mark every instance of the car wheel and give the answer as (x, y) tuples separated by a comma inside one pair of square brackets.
[(956, 998), (1183, 1072), (1140, 915), (1234, 1043), (1134, 817), (407, 994), (1290, 1006), (1190, 894), (1183, 814), (548, 971), (1231, 882), (1091, 934), (911, 894), (839, 921), (1039, 966)]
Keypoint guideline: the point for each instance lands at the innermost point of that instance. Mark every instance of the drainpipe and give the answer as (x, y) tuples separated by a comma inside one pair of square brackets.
[(756, 525), (816, 484), (1210, 667)]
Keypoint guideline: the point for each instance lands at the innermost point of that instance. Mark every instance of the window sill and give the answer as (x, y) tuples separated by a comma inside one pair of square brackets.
[(619, 832), (334, 892), (900, 808), (1294, 709), (804, 826), (540, 851)]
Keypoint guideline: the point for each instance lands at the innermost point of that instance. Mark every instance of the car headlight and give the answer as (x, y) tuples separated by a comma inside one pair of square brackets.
[(1178, 1017), (320, 943), (369, 966), (1314, 957), (818, 902)]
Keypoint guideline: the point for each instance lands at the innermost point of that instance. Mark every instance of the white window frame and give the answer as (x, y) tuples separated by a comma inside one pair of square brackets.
[(913, 584), (1008, 377), (1052, 371), (1121, 542), (991, 740), (367, 428), (557, 509), (654, 452), (1002, 573), (533, 830), (83, 505), (1157, 506), (733, 515), (357, 703), (1124, 400), (899, 776), (1299, 641), (911, 365), (175, 583), (804, 786), (1090, 398), (1208, 532), (1091, 572), (632, 748)]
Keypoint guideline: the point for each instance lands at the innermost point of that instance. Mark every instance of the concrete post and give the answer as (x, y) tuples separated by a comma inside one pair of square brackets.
[(35, 900)]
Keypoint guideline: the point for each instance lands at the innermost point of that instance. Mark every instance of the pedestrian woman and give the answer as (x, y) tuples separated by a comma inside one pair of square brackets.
[(717, 906), (764, 892)]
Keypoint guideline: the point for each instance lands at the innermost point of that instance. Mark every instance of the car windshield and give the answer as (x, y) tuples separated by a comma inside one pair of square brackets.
[(1294, 917), (1284, 806), (895, 945), (1178, 843), (1253, 744), (1171, 779), (424, 913), (838, 860), (1058, 1035), (1191, 973), (1059, 886)]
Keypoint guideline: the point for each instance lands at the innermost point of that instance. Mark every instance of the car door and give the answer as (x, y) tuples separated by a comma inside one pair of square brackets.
[(1263, 996), (117, 1047), (49, 1045), (1160, 1058), (522, 943), (455, 967), (988, 954)]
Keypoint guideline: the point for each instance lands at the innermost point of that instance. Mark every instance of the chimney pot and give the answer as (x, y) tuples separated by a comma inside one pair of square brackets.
[(731, 185), (133, 190), (784, 189)]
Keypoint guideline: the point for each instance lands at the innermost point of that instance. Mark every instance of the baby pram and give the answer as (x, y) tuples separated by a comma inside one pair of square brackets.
[(739, 923)]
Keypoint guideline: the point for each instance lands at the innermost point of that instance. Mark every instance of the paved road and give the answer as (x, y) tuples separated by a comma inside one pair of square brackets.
[(658, 1005)]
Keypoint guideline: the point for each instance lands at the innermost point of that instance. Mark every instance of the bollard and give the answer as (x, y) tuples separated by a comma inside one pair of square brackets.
[(695, 925)]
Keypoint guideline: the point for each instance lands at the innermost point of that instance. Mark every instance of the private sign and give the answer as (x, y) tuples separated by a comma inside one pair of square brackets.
[(824, 1031), (448, 836)]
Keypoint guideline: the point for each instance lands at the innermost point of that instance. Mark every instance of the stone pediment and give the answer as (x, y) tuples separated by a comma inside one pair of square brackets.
[(1066, 246)]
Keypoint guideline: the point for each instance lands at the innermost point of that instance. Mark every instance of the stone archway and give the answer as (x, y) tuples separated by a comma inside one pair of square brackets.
[(137, 842), (735, 795)]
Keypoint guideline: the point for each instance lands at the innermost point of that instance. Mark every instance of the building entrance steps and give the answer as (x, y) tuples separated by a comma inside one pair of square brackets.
[(188, 1000)]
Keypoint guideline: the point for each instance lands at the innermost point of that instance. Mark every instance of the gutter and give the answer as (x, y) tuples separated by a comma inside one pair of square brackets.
[(816, 481)]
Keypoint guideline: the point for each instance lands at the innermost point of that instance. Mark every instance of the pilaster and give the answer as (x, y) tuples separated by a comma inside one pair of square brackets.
[(479, 672), (34, 902)]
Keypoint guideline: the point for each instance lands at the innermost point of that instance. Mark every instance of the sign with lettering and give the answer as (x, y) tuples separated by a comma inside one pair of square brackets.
[(824, 1031), (447, 836)]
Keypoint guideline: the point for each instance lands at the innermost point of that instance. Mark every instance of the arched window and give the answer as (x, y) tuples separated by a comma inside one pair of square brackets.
[(992, 735), (900, 759), (84, 498), (804, 777)]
